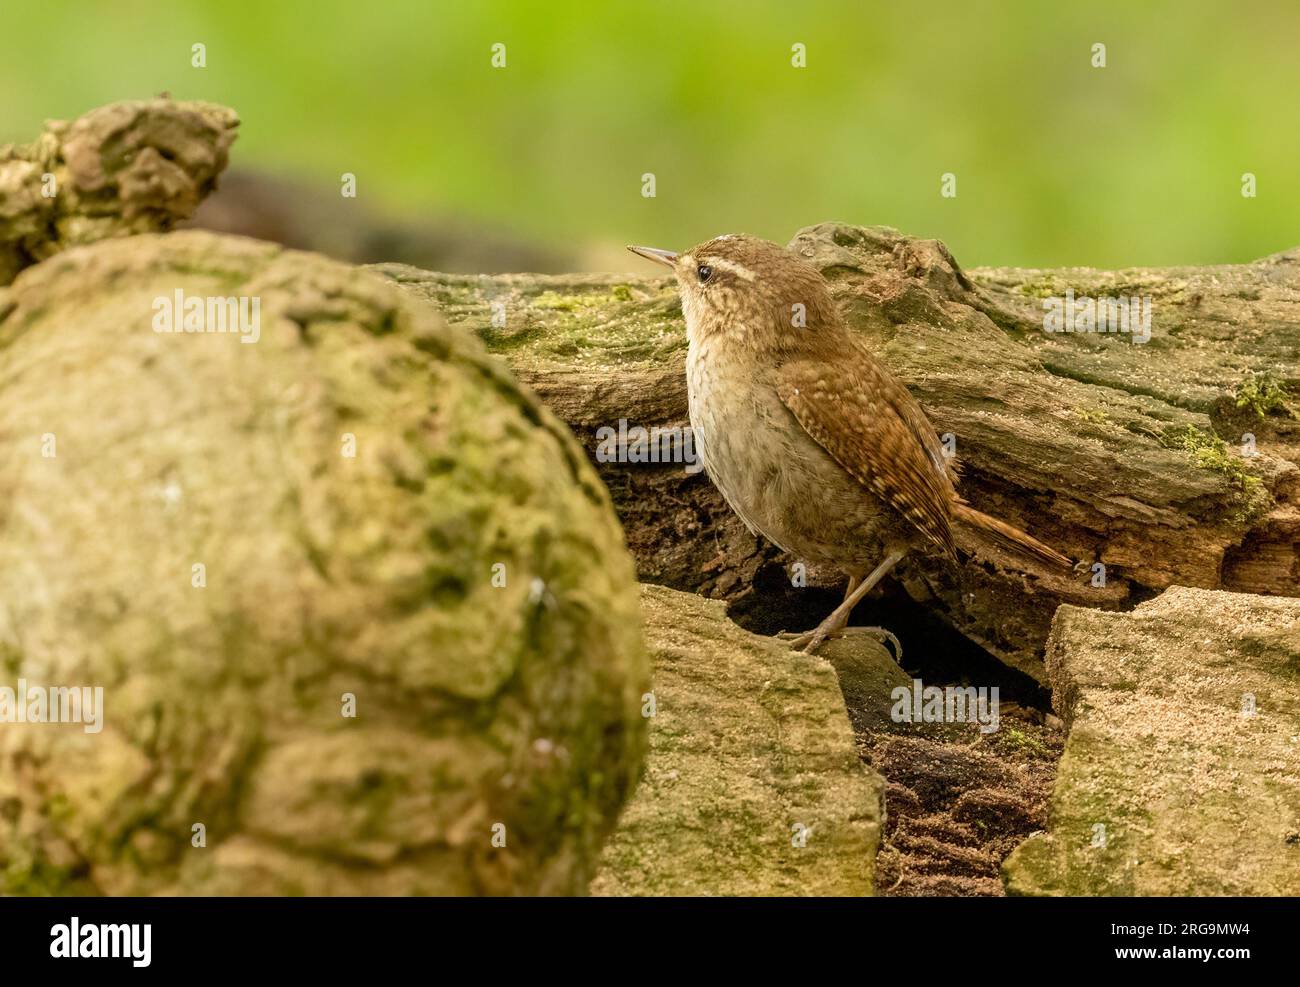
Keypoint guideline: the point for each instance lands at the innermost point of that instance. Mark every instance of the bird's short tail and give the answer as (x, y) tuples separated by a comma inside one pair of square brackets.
[(1012, 539)]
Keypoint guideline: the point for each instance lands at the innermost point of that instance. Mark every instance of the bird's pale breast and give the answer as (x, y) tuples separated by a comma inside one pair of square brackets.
[(783, 484)]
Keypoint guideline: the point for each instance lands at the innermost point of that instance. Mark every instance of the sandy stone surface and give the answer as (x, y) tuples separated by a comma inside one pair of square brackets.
[(752, 785), (1181, 773)]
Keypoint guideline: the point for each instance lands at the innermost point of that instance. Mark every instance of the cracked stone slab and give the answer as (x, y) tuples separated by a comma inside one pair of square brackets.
[(1181, 773), (752, 785)]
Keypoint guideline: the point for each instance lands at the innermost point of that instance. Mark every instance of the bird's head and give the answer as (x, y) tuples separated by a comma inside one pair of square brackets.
[(744, 288)]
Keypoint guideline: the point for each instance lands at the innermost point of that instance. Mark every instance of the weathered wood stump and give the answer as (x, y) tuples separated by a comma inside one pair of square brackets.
[(139, 166)]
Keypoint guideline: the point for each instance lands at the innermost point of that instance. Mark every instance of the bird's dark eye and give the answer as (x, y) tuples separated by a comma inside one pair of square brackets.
[(704, 272)]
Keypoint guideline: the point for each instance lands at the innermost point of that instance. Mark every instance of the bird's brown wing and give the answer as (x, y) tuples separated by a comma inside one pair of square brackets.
[(875, 429)]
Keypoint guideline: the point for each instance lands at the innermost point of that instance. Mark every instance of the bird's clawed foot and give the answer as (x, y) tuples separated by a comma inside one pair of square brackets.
[(804, 641), (834, 625), (882, 635), (809, 641)]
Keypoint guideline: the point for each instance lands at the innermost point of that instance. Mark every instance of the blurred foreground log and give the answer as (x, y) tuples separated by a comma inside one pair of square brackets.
[(1120, 454), (354, 606)]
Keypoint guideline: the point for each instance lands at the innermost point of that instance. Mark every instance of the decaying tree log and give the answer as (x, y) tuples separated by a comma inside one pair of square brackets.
[(133, 167), (1169, 461)]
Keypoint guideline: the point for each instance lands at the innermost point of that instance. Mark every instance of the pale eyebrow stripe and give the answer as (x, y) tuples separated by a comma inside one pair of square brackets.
[(733, 267)]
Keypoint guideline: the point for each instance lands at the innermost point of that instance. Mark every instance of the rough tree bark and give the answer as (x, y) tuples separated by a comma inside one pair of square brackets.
[(1124, 454)]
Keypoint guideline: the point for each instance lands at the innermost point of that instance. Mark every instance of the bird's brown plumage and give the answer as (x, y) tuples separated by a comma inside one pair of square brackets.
[(746, 345), (860, 415)]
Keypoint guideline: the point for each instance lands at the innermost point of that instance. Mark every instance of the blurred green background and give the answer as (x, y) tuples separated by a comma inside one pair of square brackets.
[(1057, 162)]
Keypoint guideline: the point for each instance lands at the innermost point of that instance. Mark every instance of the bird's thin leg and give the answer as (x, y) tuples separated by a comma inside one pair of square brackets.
[(880, 634), (851, 585), (838, 617)]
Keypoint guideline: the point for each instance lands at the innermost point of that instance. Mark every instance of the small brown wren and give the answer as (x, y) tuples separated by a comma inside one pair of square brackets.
[(809, 438)]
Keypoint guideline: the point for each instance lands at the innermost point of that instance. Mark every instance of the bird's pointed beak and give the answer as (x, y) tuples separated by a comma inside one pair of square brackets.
[(665, 257)]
